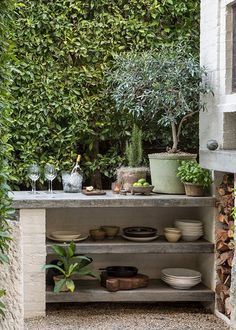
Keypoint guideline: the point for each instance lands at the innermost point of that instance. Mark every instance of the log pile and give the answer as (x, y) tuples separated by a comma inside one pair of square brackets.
[(224, 243)]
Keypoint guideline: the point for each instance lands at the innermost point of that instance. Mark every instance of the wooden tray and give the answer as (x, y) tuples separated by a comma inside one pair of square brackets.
[(114, 284), (94, 192)]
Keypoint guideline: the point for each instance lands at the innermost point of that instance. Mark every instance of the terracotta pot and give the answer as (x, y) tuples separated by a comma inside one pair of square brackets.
[(127, 176), (192, 189), (57, 279)]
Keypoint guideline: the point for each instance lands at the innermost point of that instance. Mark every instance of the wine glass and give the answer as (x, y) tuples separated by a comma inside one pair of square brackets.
[(33, 173), (50, 174)]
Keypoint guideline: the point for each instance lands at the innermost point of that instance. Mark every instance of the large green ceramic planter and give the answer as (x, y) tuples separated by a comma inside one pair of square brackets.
[(163, 168)]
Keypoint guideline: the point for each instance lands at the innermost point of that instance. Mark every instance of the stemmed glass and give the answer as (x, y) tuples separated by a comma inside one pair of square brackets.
[(50, 174), (33, 173)]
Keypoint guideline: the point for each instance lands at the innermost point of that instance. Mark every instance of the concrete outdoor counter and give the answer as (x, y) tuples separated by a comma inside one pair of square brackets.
[(42, 200), (43, 213)]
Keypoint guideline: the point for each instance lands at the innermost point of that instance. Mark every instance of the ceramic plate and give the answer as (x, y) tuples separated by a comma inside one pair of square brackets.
[(140, 239), (65, 235), (81, 238)]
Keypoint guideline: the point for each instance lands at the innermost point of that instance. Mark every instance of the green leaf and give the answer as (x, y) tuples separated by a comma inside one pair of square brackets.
[(54, 267), (59, 250), (70, 285), (59, 285)]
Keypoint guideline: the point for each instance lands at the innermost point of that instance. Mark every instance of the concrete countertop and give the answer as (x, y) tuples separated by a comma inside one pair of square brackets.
[(43, 200), (219, 160)]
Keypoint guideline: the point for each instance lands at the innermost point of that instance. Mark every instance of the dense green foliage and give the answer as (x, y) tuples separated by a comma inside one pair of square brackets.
[(5, 79), (134, 148), (163, 85), (192, 172), (64, 49)]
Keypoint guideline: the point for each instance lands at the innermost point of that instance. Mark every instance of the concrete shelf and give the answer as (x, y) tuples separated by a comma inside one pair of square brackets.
[(91, 291), (120, 245), (25, 200)]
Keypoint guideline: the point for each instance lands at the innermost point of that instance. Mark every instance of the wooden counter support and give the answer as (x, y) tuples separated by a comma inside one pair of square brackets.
[(34, 256)]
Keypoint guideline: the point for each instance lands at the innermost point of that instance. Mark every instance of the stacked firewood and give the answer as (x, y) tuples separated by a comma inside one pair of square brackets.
[(224, 243)]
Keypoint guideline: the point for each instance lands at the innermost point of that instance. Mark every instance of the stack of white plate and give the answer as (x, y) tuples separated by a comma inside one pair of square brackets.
[(180, 278), (192, 230)]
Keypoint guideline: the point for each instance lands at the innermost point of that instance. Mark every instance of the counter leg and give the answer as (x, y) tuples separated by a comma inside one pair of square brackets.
[(33, 224)]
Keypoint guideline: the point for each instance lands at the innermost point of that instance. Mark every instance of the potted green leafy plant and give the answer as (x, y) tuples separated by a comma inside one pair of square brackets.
[(68, 267), (164, 85), (128, 175), (196, 179)]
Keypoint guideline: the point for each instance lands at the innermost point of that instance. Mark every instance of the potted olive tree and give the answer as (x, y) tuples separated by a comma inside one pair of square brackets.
[(128, 175), (69, 265), (165, 85)]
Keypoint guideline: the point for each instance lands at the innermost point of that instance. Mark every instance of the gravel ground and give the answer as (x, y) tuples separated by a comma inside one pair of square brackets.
[(105, 316)]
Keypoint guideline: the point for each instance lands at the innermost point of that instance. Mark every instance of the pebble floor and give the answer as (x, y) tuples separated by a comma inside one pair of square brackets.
[(105, 316)]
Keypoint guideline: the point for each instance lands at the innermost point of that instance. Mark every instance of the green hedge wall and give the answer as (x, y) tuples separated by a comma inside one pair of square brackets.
[(64, 49), (6, 7)]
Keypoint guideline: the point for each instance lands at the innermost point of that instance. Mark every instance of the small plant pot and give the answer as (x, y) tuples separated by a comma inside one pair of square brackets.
[(57, 279), (194, 190)]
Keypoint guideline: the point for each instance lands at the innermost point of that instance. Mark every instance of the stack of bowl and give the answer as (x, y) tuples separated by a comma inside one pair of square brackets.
[(181, 278), (192, 230), (172, 234)]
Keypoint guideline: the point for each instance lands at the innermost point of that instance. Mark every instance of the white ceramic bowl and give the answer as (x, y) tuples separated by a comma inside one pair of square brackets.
[(172, 237), (172, 230), (180, 272), (191, 238)]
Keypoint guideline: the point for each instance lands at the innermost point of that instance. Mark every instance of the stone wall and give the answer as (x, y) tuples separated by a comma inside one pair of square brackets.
[(11, 279)]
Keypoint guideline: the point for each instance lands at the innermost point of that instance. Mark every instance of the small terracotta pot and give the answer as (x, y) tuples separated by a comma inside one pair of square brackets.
[(193, 189), (57, 279)]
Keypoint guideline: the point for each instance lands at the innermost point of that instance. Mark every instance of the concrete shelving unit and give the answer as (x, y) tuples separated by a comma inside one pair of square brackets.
[(41, 214)]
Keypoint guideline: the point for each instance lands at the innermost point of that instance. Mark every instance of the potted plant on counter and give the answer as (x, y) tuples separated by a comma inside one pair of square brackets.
[(196, 179), (166, 86), (130, 174), (69, 266)]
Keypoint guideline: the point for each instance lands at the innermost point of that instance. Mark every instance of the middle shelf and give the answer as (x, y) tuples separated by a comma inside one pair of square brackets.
[(120, 245)]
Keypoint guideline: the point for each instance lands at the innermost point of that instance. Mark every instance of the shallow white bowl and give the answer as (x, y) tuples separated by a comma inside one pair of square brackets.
[(188, 238), (181, 272), (181, 281)]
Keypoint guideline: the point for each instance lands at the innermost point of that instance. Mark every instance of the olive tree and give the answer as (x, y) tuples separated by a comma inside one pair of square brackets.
[(165, 84)]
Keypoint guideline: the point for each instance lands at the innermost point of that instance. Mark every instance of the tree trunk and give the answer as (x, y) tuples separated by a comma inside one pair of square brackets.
[(96, 179), (174, 137)]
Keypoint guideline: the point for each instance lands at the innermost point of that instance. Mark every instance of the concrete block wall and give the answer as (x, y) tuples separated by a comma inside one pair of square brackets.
[(33, 224), (216, 55), (11, 280)]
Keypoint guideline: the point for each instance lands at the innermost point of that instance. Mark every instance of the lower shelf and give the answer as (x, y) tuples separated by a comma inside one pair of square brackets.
[(91, 291)]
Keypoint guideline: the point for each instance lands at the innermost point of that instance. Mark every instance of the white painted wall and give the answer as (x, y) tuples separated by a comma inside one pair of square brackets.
[(219, 121)]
